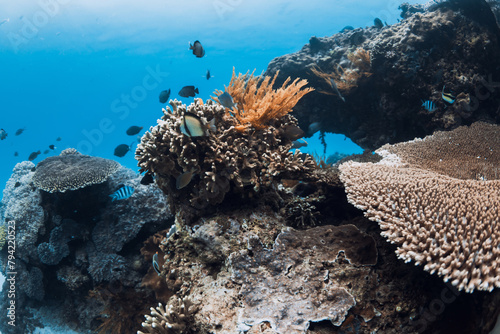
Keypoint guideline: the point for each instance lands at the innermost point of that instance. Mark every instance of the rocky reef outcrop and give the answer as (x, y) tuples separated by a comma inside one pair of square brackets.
[(76, 253), (451, 47)]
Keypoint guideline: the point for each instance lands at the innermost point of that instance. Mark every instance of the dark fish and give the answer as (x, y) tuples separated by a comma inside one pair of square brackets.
[(156, 266), (58, 139), (184, 179), (147, 179), (122, 193), (299, 144), (33, 155), (378, 23), (164, 95), (188, 91), (46, 151), (121, 150), (3, 134), (208, 75), (429, 105), (226, 100), (347, 28), (448, 97), (192, 126), (19, 131), (133, 130), (197, 48), (314, 127), (52, 147), (16, 154), (293, 132)]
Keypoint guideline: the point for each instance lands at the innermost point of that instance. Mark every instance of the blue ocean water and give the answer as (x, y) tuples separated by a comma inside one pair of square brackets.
[(85, 71)]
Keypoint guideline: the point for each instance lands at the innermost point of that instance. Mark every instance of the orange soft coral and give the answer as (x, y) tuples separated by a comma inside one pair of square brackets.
[(347, 79), (257, 103)]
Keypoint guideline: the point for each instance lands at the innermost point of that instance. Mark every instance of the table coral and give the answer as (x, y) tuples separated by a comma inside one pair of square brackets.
[(438, 200)]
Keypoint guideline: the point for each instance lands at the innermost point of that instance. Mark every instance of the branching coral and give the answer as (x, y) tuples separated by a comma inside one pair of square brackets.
[(225, 160), (172, 318), (257, 103)]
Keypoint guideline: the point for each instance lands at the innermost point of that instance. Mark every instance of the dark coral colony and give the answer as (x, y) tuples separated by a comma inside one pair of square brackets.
[(237, 233)]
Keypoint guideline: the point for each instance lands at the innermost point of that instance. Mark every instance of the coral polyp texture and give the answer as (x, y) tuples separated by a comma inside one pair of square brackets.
[(72, 170), (225, 159), (438, 199), (257, 103)]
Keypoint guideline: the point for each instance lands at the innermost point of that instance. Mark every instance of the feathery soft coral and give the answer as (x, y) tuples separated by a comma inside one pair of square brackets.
[(257, 103)]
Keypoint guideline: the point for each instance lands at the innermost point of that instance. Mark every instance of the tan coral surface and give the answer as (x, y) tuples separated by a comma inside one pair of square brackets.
[(449, 224)]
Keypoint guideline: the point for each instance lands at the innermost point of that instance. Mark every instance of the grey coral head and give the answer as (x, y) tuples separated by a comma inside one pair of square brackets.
[(72, 170)]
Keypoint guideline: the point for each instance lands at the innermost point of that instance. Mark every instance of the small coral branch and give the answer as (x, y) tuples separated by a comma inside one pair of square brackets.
[(257, 103), (172, 318)]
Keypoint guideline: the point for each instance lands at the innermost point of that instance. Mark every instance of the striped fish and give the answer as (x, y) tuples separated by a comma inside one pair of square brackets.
[(156, 266), (448, 97), (122, 193), (429, 105)]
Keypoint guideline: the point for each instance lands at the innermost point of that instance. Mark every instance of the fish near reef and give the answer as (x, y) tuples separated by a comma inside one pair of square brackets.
[(188, 91), (226, 100), (34, 155), (133, 130), (447, 97), (164, 95), (429, 106), (193, 126), (197, 48), (3, 134), (156, 266), (121, 150), (377, 23), (293, 132), (183, 180), (147, 179), (122, 193), (52, 147), (298, 144), (208, 76)]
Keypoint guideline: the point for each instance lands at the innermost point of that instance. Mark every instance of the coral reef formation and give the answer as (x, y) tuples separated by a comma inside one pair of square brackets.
[(433, 47), (72, 170), (296, 270), (438, 199), (226, 160), (78, 241)]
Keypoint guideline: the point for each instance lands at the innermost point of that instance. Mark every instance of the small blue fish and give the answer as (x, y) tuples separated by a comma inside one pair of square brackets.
[(448, 97), (429, 106), (122, 193), (156, 266)]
